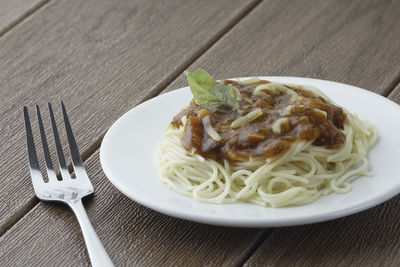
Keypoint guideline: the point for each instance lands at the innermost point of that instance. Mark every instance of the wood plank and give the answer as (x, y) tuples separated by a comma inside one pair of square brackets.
[(353, 42), (101, 61), (14, 11), (132, 234), (370, 238)]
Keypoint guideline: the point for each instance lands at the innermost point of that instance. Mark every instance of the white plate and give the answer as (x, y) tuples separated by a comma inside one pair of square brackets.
[(127, 157)]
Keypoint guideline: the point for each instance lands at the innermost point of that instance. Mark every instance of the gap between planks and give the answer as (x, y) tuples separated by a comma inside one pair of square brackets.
[(22, 18), (154, 91), (392, 86), (258, 241)]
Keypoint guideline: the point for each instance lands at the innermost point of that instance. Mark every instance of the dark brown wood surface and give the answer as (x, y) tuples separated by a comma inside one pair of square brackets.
[(102, 61), (354, 42), (14, 11), (370, 238), (131, 233)]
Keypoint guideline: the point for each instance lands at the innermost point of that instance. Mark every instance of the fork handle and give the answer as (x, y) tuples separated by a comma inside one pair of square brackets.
[(97, 254)]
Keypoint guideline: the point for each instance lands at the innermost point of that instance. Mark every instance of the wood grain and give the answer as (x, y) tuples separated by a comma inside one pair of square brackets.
[(132, 234), (395, 94), (354, 42), (371, 238), (101, 61), (14, 11)]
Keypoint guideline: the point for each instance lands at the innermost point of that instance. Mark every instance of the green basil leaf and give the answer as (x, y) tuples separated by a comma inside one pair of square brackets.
[(204, 79), (210, 94), (201, 95), (213, 106), (223, 93)]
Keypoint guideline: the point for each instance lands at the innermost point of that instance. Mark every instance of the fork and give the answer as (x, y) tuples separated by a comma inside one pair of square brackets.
[(67, 190)]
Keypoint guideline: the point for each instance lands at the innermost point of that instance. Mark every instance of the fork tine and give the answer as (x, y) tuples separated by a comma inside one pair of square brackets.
[(61, 158), (47, 158), (73, 148), (34, 167)]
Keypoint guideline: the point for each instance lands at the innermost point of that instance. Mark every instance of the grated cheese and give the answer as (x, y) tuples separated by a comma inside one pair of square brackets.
[(250, 81), (210, 129), (274, 88), (247, 118), (277, 127), (238, 96)]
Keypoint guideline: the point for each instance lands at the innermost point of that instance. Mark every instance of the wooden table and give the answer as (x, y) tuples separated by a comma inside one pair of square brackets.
[(105, 57)]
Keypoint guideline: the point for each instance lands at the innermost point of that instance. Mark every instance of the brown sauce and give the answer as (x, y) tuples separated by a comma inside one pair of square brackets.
[(305, 121)]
